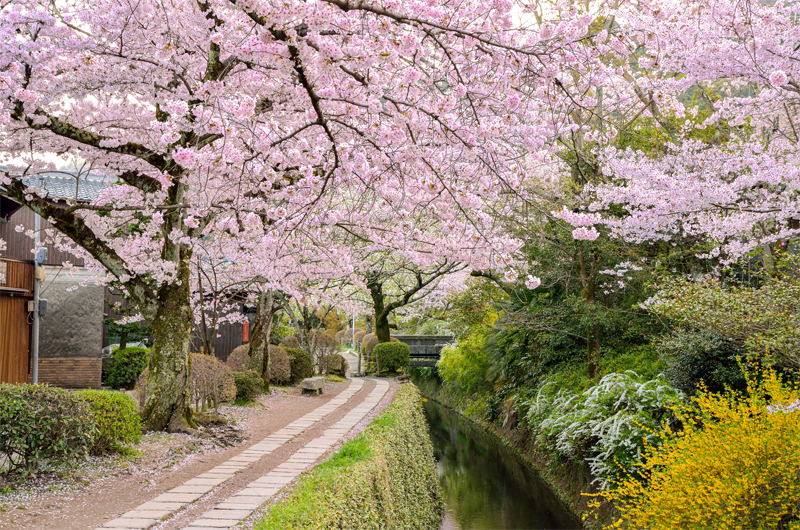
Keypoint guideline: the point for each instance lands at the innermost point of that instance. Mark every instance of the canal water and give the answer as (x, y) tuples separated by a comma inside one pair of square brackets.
[(486, 486)]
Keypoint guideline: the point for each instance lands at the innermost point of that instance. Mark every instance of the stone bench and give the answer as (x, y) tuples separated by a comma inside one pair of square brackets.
[(313, 384)]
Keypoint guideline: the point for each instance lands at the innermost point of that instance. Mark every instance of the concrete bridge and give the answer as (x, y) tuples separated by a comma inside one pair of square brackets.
[(425, 349)]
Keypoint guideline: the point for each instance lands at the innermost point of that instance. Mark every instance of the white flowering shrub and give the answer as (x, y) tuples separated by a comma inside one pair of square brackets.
[(608, 425)]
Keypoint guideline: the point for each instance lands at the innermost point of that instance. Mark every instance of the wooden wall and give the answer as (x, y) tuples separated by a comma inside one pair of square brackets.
[(16, 289), (15, 333), (230, 334), (230, 337)]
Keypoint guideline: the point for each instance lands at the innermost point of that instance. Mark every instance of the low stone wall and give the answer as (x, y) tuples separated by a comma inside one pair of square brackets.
[(71, 372)]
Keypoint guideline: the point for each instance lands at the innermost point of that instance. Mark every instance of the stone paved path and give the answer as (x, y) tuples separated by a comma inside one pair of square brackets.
[(238, 507), (352, 361), (244, 502), (151, 512)]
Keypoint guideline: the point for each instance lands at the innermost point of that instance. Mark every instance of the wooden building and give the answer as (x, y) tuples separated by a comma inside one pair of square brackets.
[(72, 332), (16, 290)]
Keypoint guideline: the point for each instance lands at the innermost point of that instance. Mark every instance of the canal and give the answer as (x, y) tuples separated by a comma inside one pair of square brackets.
[(486, 486)]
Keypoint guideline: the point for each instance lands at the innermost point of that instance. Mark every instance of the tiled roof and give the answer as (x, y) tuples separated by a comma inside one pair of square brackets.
[(62, 186)]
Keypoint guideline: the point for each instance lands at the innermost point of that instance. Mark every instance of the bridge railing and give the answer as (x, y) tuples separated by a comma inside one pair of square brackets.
[(425, 349)]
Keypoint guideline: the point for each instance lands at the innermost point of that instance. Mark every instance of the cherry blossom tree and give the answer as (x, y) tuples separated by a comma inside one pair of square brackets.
[(726, 73), (260, 117)]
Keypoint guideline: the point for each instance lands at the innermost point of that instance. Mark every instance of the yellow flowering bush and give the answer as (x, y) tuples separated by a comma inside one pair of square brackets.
[(735, 464)]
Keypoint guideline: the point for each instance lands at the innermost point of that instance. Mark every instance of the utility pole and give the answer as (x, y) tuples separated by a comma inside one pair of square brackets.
[(39, 259)]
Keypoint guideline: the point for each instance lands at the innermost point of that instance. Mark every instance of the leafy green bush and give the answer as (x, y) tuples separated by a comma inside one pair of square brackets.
[(280, 369), (466, 363), (126, 366), (392, 356), (248, 385), (301, 364), (40, 425), (643, 359), (383, 478), (761, 318), (334, 364), (693, 357), (115, 415)]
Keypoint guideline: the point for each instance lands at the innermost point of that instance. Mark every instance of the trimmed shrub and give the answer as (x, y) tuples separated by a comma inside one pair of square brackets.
[(301, 364), (117, 422), (383, 478), (359, 337), (368, 342), (42, 424), (292, 341), (334, 364), (280, 368), (323, 347), (735, 464), (347, 338), (126, 366), (249, 385), (239, 359), (392, 356), (339, 337), (211, 383)]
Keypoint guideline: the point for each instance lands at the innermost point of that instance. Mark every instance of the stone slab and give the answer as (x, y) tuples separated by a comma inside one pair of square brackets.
[(223, 513), (130, 523), (152, 505), (138, 513), (231, 505), (192, 489), (214, 523), (184, 498)]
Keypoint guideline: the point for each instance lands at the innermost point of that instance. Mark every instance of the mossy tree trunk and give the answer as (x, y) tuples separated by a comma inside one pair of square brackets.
[(168, 401), (382, 326)]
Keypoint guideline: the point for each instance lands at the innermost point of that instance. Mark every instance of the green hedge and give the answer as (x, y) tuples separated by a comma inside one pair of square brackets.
[(249, 385), (392, 356), (385, 478), (117, 422), (126, 366), (302, 365), (42, 425)]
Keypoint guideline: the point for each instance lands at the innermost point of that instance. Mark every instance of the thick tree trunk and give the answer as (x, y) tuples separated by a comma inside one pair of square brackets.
[(168, 397), (123, 340), (381, 313), (382, 328), (262, 329)]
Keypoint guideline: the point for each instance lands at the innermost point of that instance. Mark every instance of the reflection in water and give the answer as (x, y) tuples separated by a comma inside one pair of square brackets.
[(485, 485)]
